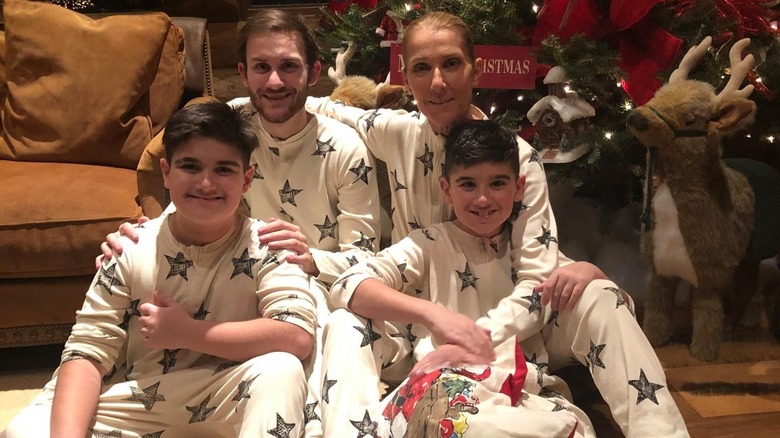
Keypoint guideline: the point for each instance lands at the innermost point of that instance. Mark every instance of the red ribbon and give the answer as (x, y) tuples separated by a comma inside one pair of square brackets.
[(644, 47), (340, 6), (752, 16)]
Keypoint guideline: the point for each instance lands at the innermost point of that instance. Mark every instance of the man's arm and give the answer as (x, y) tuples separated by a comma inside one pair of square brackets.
[(75, 397)]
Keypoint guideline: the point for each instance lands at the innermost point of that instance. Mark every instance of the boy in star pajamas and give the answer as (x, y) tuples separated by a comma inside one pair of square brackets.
[(211, 324), (442, 279)]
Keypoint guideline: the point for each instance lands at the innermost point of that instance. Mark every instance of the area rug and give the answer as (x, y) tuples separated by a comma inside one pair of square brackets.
[(18, 389)]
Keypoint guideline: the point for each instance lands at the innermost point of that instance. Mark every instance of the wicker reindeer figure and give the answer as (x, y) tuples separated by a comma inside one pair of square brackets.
[(699, 213)]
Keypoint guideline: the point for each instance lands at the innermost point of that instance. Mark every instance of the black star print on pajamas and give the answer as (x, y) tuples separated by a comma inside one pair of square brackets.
[(243, 264), (361, 171), (352, 260), (536, 158), (179, 265), (398, 185), (369, 335), (427, 234), (414, 225), (645, 387), (269, 258), (409, 335), (125, 324), (113, 434), (288, 194), (282, 429), (327, 228), (326, 385), (200, 315), (546, 237), (169, 359), (147, 396), (427, 160), (401, 269), (365, 243), (620, 300), (467, 278), (593, 356), (370, 120), (536, 302), (256, 173), (225, 365), (242, 391), (134, 307), (323, 147), (274, 150), (157, 434), (310, 413), (365, 427), (201, 410), (554, 318), (106, 278)]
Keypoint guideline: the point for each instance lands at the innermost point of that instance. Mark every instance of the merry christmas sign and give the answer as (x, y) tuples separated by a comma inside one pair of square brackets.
[(506, 67)]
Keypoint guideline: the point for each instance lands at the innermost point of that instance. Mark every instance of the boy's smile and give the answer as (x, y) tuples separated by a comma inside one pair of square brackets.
[(482, 196), (206, 181)]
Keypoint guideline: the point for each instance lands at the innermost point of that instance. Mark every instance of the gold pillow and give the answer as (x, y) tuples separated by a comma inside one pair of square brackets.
[(79, 89)]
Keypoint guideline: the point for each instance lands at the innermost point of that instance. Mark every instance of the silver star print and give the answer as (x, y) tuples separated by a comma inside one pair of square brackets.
[(147, 396), (323, 147), (398, 185), (243, 264), (243, 389), (201, 410), (467, 278), (169, 359), (620, 300), (536, 302), (370, 120), (645, 387), (546, 237), (201, 314), (361, 171), (179, 266), (327, 228), (365, 427), (287, 194), (401, 269), (282, 429), (365, 243), (326, 385), (593, 356), (106, 278), (427, 160), (369, 335), (310, 413)]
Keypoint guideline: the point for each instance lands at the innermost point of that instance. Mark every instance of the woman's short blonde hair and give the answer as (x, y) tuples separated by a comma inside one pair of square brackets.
[(438, 21)]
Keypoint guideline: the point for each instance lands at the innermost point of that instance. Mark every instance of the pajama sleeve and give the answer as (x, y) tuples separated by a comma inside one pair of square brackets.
[(101, 325), (534, 255), (398, 266), (283, 293), (358, 217)]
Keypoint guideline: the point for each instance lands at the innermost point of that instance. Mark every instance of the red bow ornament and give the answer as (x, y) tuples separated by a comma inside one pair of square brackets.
[(645, 49)]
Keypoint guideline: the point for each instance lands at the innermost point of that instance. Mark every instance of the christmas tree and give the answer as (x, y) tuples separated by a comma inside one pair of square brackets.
[(615, 55)]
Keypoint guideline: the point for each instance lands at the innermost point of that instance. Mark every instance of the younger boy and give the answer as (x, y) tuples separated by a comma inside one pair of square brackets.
[(211, 323), (451, 275)]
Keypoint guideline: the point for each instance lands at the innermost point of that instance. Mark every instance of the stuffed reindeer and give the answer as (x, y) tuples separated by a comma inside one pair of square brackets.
[(707, 221), (360, 91)]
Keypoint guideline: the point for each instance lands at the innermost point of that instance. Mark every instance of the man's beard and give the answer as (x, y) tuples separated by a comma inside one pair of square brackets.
[(298, 102)]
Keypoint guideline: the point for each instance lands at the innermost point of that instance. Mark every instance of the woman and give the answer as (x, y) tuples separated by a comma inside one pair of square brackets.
[(440, 70)]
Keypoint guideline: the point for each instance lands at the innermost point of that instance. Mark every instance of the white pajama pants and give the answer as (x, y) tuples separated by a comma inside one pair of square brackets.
[(600, 333), (262, 397)]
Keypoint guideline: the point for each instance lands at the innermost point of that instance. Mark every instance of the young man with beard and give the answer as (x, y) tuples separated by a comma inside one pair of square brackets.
[(314, 181)]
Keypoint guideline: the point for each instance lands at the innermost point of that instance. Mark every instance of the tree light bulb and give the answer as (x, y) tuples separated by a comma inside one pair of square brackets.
[(748, 135), (408, 7), (520, 98), (535, 8), (759, 79), (567, 88), (492, 109), (627, 106), (608, 135), (771, 138)]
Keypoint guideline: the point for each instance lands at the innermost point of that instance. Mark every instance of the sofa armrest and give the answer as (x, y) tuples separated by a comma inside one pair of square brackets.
[(197, 64), (152, 194)]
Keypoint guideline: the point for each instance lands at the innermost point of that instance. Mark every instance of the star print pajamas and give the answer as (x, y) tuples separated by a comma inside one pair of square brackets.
[(323, 180), (465, 274), (414, 155), (182, 392)]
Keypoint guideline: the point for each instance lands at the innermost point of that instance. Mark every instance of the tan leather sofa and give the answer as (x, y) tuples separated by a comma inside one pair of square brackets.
[(81, 99)]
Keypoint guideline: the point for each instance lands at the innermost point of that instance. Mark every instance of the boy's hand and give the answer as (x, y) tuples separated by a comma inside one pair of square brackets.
[(449, 327), (448, 355), (279, 234), (112, 242), (565, 286), (164, 322)]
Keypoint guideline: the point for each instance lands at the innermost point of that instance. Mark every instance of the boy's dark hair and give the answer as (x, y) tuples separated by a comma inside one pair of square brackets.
[(214, 120), (475, 142), (277, 20)]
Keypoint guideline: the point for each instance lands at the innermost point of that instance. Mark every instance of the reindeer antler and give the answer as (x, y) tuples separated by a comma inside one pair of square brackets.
[(739, 69), (690, 60), (342, 59)]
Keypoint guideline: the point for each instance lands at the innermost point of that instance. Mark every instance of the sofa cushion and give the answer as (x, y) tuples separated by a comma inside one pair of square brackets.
[(55, 215), (79, 89)]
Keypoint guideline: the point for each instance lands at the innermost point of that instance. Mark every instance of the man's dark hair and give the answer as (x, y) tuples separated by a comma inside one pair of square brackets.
[(475, 142), (214, 120), (277, 20)]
